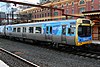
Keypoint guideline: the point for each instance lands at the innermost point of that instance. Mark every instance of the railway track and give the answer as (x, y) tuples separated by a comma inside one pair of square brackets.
[(90, 54), (84, 53), (21, 61), (95, 54), (67, 55)]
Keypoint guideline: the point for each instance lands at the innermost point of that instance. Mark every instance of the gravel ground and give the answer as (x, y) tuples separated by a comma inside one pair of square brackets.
[(12, 61), (46, 57)]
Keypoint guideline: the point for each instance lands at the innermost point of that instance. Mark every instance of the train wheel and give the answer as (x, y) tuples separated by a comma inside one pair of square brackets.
[(24, 39), (55, 45)]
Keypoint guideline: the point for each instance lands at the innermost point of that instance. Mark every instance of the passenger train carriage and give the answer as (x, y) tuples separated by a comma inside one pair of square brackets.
[(67, 32)]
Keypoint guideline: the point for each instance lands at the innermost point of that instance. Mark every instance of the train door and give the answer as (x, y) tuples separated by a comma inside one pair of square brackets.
[(49, 33), (63, 37), (4, 30), (24, 32)]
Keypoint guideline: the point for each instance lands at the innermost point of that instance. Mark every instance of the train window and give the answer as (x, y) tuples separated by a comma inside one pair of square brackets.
[(14, 30), (7, 28), (31, 29), (64, 29), (47, 29), (50, 30), (24, 29), (71, 30), (18, 29), (38, 30)]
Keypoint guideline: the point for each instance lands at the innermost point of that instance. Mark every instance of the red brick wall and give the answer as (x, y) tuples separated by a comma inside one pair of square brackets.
[(96, 4), (95, 33), (87, 5)]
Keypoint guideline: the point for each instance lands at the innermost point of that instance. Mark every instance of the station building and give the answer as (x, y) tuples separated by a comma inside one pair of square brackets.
[(87, 8)]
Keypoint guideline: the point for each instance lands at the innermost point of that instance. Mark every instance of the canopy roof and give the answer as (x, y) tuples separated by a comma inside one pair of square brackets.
[(95, 12)]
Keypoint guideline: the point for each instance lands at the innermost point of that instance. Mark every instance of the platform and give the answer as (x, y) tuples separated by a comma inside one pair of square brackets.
[(2, 64), (95, 41)]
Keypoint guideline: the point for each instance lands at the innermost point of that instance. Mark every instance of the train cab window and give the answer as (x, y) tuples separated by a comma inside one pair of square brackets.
[(31, 29), (38, 30), (18, 30), (14, 30), (84, 31)]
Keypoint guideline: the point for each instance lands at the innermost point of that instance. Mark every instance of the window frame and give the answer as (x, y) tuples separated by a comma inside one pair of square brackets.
[(15, 29), (82, 2), (18, 29), (24, 29), (64, 29), (38, 30), (31, 29)]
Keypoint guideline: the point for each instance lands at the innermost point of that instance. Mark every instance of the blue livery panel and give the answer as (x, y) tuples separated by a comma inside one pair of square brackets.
[(84, 39), (9, 29), (56, 30)]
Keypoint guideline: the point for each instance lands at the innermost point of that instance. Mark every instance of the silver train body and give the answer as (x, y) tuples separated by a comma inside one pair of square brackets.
[(62, 32)]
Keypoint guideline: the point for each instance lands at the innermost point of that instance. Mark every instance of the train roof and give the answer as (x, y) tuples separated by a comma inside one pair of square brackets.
[(44, 22)]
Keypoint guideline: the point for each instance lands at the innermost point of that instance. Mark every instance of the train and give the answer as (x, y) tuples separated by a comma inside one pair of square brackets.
[(73, 32)]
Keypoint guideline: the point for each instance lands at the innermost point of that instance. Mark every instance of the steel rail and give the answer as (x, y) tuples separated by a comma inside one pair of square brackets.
[(18, 57)]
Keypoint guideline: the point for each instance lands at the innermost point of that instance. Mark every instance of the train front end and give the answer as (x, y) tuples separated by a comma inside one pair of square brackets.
[(83, 32)]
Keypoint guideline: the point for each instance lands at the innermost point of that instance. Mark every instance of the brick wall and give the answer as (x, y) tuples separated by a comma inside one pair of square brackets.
[(75, 9)]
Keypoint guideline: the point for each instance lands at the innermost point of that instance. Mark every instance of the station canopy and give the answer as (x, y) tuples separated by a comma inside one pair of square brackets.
[(88, 13)]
